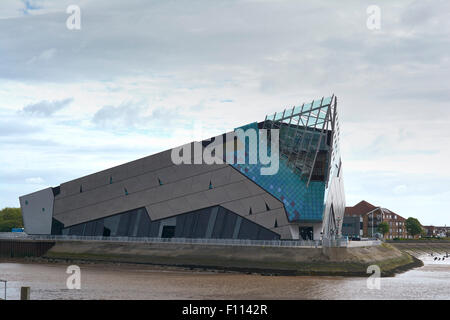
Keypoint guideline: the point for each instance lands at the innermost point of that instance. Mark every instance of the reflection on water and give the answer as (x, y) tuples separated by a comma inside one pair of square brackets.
[(48, 281)]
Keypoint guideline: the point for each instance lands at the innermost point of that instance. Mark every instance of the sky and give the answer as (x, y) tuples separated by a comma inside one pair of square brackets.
[(139, 75)]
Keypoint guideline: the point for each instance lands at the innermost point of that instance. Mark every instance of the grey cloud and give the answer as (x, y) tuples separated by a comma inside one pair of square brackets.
[(327, 44), (129, 114), (46, 108), (19, 140), (15, 128)]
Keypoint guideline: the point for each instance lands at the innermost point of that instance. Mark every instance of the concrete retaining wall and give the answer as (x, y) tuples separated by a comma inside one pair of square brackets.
[(274, 260), (24, 248)]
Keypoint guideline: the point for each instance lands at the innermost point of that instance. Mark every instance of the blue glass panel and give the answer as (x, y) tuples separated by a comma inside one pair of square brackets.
[(307, 107), (278, 116), (317, 103), (301, 202), (326, 100), (297, 109)]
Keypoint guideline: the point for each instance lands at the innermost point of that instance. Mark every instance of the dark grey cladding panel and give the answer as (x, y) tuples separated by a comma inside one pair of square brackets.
[(221, 177), (167, 175), (211, 222), (141, 191), (217, 195), (198, 200), (225, 223), (248, 230), (264, 218), (179, 205), (182, 188), (205, 186), (237, 206), (118, 173), (157, 161), (159, 210), (237, 190), (200, 182), (257, 203)]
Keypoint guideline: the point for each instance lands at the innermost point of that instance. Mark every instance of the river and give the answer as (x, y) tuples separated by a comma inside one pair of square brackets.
[(48, 281)]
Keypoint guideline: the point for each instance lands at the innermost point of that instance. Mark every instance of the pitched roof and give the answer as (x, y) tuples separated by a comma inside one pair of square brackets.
[(399, 217), (359, 209)]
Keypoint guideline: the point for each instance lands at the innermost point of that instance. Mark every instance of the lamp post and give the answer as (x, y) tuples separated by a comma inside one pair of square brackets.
[(372, 224)]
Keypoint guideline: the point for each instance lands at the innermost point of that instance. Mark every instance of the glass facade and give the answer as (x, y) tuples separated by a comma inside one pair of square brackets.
[(305, 149), (309, 162)]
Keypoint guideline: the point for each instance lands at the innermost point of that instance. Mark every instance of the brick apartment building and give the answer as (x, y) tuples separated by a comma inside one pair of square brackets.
[(436, 231), (362, 220)]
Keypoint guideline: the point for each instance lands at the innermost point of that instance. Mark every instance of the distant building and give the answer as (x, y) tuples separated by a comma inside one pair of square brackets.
[(364, 218), (434, 231), (352, 226)]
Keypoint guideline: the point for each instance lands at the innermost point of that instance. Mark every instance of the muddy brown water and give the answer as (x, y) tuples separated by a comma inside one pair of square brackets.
[(48, 281)]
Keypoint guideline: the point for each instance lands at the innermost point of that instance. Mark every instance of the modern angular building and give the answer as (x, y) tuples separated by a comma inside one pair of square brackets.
[(156, 197)]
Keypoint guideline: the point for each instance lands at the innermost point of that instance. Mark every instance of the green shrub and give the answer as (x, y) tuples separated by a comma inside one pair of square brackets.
[(10, 218)]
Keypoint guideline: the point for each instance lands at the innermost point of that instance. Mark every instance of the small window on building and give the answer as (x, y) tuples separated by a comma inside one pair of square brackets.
[(160, 182), (168, 232), (276, 224), (81, 189), (250, 211), (110, 180), (267, 206), (126, 191), (210, 185)]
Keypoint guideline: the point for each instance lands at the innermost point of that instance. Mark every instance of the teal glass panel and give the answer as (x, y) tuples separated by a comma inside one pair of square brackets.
[(307, 107), (326, 101), (311, 121), (297, 109), (316, 103), (301, 202), (278, 116)]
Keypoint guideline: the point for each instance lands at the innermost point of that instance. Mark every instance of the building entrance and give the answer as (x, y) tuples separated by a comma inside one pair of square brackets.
[(306, 233)]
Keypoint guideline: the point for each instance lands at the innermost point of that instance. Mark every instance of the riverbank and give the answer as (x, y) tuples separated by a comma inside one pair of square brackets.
[(243, 259), (265, 260), (418, 248)]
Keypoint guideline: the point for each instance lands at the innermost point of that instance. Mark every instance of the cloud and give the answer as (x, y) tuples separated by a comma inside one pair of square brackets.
[(34, 180), (8, 128), (46, 108), (124, 115), (132, 114), (45, 55)]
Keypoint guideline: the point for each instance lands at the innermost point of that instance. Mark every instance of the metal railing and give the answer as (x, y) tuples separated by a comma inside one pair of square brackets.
[(340, 242), (13, 235), (209, 241)]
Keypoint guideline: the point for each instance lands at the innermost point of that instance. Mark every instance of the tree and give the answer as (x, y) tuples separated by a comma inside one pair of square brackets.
[(413, 226), (10, 218), (383, 228)]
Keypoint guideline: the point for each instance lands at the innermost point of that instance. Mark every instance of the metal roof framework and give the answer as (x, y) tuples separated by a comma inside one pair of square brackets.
[(307, 126)]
